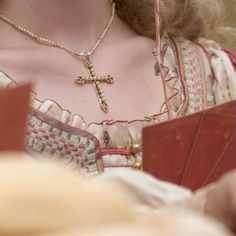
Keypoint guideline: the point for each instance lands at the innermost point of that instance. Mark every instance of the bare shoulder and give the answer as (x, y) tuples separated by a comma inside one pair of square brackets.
[(142, 56), (16, 63), (142, 46), (136, 51)]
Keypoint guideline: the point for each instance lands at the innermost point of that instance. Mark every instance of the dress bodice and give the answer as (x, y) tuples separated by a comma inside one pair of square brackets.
[(197, 76)]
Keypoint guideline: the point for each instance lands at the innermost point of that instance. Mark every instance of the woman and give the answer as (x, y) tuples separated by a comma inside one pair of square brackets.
[(196, 75)]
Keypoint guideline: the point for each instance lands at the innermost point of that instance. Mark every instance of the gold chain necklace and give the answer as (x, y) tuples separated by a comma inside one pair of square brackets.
[(86, 57)]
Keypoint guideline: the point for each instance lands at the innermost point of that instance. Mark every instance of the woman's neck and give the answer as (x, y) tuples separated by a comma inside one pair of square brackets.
[(66, 21)]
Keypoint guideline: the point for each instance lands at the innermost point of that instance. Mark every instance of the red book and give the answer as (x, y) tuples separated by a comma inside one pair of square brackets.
[(194, 150), (14, 108)]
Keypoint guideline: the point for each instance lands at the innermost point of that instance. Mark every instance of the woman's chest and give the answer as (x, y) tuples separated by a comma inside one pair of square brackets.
[(135, 93)]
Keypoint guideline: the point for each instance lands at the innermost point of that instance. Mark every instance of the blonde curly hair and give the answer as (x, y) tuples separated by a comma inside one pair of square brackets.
[(213, 19)]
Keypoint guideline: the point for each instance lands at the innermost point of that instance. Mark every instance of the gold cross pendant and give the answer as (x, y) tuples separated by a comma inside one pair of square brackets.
[(95, 80)]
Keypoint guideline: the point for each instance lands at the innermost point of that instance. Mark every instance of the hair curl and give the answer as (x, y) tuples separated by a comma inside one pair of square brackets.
[(213, 19)]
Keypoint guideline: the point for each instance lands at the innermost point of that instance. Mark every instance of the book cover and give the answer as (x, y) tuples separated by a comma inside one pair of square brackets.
[(194, 150)]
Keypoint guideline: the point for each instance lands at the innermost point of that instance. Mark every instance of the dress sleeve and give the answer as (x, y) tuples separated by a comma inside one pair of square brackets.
[(232, 56), (224, 82)]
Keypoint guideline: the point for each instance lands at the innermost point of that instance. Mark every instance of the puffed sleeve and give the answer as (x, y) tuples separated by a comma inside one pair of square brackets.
[(224, 82)]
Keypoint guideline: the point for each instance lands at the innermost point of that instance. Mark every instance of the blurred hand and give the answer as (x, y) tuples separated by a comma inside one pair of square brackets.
[(221, 201)]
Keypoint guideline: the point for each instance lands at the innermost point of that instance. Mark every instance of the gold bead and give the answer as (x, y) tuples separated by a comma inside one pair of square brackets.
[(100, 92), (104, 107), (135, 149), (103, 99), (137, 165)]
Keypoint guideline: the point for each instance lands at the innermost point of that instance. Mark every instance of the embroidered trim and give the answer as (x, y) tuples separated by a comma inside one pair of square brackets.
[(77, 146), (181, 73), (194, 72)]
